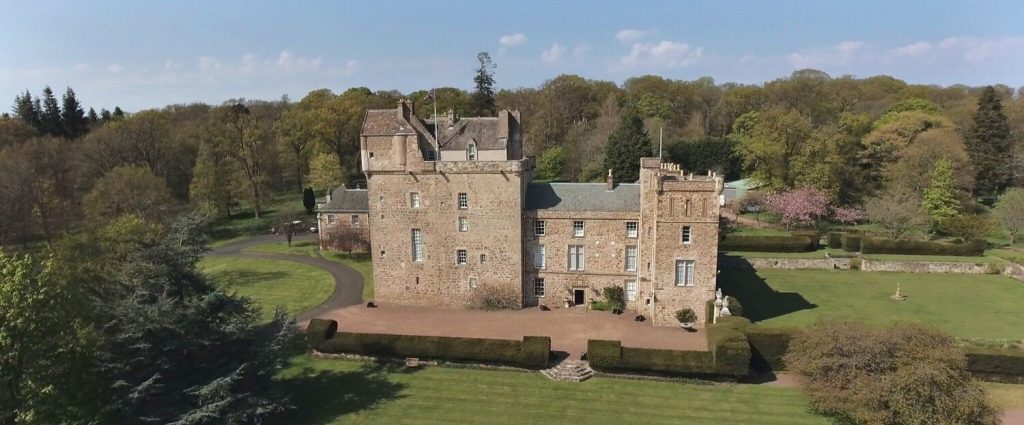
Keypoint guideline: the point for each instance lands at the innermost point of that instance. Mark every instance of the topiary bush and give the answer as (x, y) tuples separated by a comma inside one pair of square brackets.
[(432, 347), (792, 243), (884, 246), (604, 354), (850, 242), (768, 346), (319, 330), (996, 364), (614, 296), (535, 352), (835, 240), (686, 315), (729, 347)]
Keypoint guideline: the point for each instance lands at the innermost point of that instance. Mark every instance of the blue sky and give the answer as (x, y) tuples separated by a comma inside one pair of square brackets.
[(144, 54)]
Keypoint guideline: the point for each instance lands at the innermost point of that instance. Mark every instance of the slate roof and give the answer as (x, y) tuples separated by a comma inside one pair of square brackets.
[(384, 121), (480, 130), (347, 200), (591, 197)]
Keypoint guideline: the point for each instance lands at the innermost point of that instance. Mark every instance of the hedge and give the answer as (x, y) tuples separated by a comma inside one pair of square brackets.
[(850, 242), (792, 243), (996, 364), (532, 352), (768, 346), (319, 330), (835, 240), (734, 307), (729, 346), (885, 246)]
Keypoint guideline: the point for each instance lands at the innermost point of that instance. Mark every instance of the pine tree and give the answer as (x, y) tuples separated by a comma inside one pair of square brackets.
[(118, 113), (50, 116), (626, 145), (940, 202), (309, 200), (72, 116), (105, 115), (92, 117), (483, 97), (25, 108), (988, 144)]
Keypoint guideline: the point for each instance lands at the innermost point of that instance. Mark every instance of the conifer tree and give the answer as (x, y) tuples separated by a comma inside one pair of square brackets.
[(483, 97), (92, 117), (105, 115), (25, 108), (940, 202), (118, 113), (72, 116), (309, 200), (50, 115), (988, 143), (626, 145)]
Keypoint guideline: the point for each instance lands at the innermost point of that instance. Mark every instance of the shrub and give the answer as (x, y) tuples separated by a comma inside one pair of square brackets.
[(792, 243), (495, 297), (535, 352), (994, 268), (734, 307), (604, 354), (686, 315), (432, 347), (835, 240), (319, 330), (768, 346), (850, 242), (615, 297), (885, 246), (996, 364), (855, 263), (906, 374)]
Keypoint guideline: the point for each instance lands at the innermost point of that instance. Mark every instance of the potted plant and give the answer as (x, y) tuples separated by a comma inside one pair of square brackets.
[(687, 318)]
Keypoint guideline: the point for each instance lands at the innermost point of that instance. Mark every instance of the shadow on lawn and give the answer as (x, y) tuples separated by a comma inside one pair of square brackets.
[(760, 301), (322, 396)]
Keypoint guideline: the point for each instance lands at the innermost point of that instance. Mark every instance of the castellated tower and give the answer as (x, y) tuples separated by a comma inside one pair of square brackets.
[(679, 240), (445, 203)]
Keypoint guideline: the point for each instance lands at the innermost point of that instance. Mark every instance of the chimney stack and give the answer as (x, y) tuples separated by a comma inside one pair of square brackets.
[(611, 180)]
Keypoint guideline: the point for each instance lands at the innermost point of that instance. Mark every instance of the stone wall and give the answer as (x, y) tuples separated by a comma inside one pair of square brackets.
[(922, 267), (743, 263), (335, 225)]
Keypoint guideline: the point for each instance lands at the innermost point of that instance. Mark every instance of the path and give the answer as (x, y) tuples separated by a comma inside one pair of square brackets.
[(348, 283)]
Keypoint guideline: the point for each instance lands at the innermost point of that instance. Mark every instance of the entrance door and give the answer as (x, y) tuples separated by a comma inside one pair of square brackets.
[(579, 296)]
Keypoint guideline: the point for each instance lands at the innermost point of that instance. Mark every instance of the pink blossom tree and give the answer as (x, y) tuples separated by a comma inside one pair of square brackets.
[(847, 215), (803, 206)]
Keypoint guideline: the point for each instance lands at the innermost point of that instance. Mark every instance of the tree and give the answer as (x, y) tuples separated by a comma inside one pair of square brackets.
[(128, 190), (988, 143), (803, 206), (241, 131), (550, 163), (287, 220), (775, 139), (92, 117), (939, 200), (912, 170), (211, 186), (626, 145), (347, 239), (717, 154), (50, 116), (118, 114), (483, 97), (893, 212), (1009, 210), (72, 116), (309, 200), (969, 227), (25, 108), (324, 173), (295, 131), (906, 374)]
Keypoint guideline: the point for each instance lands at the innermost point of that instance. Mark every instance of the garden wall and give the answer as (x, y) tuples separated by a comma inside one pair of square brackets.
[(921, 267), (742, 263), (1011, 270)]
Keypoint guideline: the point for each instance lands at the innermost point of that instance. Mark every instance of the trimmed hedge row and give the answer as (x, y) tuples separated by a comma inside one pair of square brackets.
[(729, 346), (792, 243), (850, 242), (319, 330), (531, 352), (734, 307), (835, 240), (768, 346), (884, 246), (996, 364)]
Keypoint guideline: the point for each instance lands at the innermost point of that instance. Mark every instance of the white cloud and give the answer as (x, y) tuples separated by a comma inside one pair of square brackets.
[(627, 35), (207, 63), (289, 62), (82, 67), (115, 68), (979, 49), (553, 53), (512, 40), (839, 54), (915, 49), (664, 53), (170, 65)]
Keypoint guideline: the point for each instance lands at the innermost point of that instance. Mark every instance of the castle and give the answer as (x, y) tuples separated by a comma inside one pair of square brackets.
[(450, 210)]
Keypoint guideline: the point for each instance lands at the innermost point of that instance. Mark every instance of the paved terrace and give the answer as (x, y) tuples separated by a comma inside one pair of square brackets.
[(569, 329)]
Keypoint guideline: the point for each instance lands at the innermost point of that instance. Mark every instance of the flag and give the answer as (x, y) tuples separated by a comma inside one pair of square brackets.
[(430, 95)]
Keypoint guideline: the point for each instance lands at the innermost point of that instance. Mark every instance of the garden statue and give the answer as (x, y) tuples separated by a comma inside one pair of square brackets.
[(898, 296), (725, 307), (718, 305)]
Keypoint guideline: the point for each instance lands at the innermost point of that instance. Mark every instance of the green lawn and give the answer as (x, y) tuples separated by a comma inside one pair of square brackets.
[(359, 261), (1011, 254), (968, 306), (271, 283), (352, 392), (1005, 396), (805, 255), (755, 231)]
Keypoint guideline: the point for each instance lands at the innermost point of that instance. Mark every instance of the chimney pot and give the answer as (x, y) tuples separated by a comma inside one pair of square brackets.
[(611, 180)]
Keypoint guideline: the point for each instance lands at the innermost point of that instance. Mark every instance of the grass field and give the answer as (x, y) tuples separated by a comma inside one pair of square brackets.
[(1005, 396), (351, 392), (271, 283), (967, 306), (837, 253), (359, 261)]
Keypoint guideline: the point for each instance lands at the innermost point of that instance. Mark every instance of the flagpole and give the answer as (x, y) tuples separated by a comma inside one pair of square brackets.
[(661, 139), (437, 129)]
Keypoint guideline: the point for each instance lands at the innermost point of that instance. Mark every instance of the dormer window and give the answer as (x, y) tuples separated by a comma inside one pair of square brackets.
[(471, 152), (431, 156)]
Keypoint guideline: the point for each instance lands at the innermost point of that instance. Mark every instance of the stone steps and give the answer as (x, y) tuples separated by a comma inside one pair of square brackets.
[(569, 371)]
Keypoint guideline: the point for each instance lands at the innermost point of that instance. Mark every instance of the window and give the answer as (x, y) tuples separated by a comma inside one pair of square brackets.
[(463, 201), (684, 272), (577, 228), (538, 287), (461, 257), (577, 258), (631, 229), (414, 199), (687, 234), (631, 258), (431, 156), (463, 224), (417, 245), (538, 227), (330, 218), (473, 282), (471, 152), (483, 258), (354, 220), (631, 290), (539, 261)]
